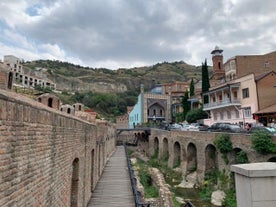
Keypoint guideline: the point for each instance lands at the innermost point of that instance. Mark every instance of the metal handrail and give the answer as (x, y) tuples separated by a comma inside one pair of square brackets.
[(189, 204), (133, 181)]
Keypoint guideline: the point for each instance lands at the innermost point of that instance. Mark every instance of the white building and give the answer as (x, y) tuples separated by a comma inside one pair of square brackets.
[(26, 77)]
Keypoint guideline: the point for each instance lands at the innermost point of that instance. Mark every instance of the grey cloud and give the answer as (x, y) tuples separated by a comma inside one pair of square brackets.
[(150, 31)]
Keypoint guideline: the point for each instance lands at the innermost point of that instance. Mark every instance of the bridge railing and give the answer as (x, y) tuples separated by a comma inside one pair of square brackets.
[(189, 204), (136, 192)]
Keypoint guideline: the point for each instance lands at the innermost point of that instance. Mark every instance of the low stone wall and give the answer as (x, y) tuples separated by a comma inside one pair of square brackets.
[(48, 158), (165, 197)]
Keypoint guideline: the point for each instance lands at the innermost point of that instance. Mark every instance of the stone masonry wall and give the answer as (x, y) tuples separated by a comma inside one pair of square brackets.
[(37, 148)]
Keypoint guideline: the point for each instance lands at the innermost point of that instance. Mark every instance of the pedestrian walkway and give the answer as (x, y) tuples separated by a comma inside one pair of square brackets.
[(114, 188)]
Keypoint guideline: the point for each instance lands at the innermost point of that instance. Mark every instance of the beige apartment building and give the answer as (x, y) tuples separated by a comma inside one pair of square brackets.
[(241, 65), (233, 102)]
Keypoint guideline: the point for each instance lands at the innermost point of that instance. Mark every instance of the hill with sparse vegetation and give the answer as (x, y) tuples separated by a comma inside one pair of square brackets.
[(110, 91), (70, 77)]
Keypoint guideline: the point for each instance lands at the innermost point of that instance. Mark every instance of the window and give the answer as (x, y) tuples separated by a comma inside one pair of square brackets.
[(247, 112), (237, 114), (50, 102), (10, 80), (221, 116), (245, 93), (266, 65), (235, 93), (228, 115), (215, 116)]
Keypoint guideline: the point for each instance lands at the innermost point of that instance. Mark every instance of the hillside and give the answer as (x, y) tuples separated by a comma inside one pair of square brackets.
[(70, 77)]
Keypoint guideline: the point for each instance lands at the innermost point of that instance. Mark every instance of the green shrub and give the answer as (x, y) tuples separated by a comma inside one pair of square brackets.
[(223, 143), (175, 202), (206, 191), (151, 192), (145, 178), (241, 157), (196, 114), (154, 163), (230, 199), (262, 142)]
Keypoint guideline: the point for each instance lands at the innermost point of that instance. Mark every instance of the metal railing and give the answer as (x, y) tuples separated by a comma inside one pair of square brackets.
[(136, 193), (189, 204)]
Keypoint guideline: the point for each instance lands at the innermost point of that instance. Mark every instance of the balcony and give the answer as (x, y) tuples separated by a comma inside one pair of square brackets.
[(156, 118), (221, 104)]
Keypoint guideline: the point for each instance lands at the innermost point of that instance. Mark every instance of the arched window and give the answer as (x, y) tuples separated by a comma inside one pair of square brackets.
[(50, 102), (75, 183), (92, 169), (10, 80), (219, 65), (68, 111)]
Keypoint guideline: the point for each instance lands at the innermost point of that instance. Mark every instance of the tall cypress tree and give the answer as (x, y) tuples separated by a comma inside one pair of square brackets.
[(185, 104), (192, 88), (205, 80)]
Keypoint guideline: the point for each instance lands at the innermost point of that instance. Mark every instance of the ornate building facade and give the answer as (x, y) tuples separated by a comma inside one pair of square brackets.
[(152, 107)]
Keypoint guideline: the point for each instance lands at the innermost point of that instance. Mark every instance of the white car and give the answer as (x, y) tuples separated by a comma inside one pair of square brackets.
[(193, 127)]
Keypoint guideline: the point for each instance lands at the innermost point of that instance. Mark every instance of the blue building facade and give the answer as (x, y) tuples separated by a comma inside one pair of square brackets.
[(135, 116), (152, 107)]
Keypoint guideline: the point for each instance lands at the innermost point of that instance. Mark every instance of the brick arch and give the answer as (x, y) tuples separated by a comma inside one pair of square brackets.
[(211, 158), (233, 154), (10, 78), (165, 152), (92, 168), (176, 154), (50, 102), (156, 144), (191, 157), (272, 159), (75, 183)]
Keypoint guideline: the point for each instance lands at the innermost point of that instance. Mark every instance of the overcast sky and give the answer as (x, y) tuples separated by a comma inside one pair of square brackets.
[(128, 33)]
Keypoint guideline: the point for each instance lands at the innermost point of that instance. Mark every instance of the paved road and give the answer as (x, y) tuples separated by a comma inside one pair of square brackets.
[(114, 188)]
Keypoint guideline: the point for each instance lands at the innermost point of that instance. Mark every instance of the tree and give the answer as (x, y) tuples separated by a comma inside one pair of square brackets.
[(185, 104), (196, 114), (205, 80), (192, 88)]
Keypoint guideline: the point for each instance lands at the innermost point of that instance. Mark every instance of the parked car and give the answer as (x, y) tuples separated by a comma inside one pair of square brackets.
[(270, 130), (193, 127), (225, 127), (175, 126), (216, 127), (203, 127)]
